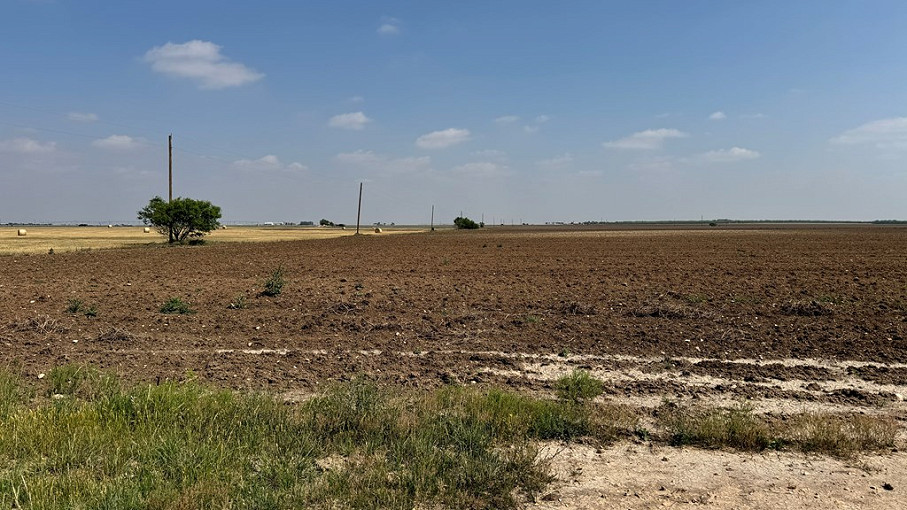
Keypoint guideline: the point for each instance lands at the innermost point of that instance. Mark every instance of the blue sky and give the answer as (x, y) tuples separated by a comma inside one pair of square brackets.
[(515, 110)]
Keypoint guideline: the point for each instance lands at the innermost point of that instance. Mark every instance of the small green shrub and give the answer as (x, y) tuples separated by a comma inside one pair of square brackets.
[(176, 305), (273, 285), (578, 387)]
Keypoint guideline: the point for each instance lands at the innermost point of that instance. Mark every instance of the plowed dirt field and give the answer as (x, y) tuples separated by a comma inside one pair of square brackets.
[(763, 308), (790, 319)]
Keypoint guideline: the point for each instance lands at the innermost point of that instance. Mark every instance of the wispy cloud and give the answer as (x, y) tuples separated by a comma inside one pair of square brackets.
[(389, 26), (881, 134), (650, 139), (118, 143), (506, 119), (556, 163), (268, 163), (731, 155), (355, 121), (27, 146), (369, 160), (482, 169), (82, 117), (201, 62), (443, 139), (719, 115)]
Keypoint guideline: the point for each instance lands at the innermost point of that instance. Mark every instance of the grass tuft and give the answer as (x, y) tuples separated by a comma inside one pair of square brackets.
[(176, 305), (578, 387)]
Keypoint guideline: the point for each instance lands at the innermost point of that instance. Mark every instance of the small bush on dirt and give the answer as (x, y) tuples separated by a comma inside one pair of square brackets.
[(578, 387), (273, 285), (176, 305)]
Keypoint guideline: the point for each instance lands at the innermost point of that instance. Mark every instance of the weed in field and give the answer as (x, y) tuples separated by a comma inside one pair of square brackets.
[(579, 386), (273, 285), (74, 305), (176, 305), (807, 308), (238, 303)]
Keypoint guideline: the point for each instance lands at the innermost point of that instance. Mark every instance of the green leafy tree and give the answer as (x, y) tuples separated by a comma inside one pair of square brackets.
[(466, 223), (181, 219)]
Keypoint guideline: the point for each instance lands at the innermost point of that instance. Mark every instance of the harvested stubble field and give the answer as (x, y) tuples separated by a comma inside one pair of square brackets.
[(788, 319), (41, 239)]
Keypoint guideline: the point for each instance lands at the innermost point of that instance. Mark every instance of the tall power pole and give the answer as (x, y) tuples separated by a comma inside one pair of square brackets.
[(433, 217), (359, 213), (170, 166)]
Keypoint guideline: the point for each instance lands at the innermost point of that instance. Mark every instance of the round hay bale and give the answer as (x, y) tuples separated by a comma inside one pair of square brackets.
[(377, 230), (223, 227), (146, 230), (22, 232), (109, 226)]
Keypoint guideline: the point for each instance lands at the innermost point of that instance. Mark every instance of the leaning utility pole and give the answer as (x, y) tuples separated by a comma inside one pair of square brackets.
[(170, 166), (359, 213)]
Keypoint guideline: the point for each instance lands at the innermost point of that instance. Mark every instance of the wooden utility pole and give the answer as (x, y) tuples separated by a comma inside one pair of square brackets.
[(359, 214), (170, 167), (433, 218)]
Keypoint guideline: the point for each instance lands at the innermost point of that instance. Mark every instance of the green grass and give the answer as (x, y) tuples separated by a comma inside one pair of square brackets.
[(81, 438), (176, 305), (577, 387), (739, 428), (97, 443)]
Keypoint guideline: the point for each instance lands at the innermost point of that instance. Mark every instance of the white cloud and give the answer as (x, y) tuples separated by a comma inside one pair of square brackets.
[(649, 139), (731, 155), (356, 99), (267, 163), (482, 169), (541, 119), (82, 117), (531, 129), (556, 163), (881, 134), (118, 143), (389, 26), (717, 116), (355, 121), (507, 119), (369, 160), (202, 62), (27, 146), (443, 139)]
